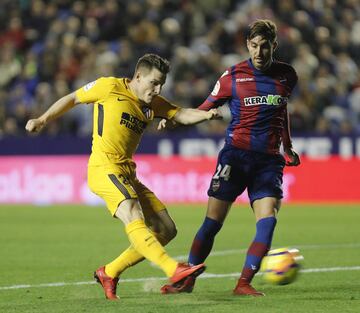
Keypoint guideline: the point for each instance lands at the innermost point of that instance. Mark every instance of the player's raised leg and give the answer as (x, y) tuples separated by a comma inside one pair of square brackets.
[(264, 210)]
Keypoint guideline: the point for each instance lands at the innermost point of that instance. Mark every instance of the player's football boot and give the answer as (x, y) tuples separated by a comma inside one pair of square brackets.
[(184, 270), (245, 289), (109, 284), (184, 285)]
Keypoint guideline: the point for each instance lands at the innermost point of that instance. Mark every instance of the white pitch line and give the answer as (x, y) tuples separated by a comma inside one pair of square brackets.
[(204, 276), (309, 270), (302, 247)]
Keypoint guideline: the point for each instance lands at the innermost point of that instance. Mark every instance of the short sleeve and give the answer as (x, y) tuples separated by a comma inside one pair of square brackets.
[(220, 94), (96, 90), (163, 108)]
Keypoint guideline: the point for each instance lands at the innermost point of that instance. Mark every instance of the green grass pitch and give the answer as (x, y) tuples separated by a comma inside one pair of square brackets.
[(48, 255)]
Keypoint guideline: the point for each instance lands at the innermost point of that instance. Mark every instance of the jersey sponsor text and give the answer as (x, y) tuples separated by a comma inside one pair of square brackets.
[(133, 123), (269, 100)]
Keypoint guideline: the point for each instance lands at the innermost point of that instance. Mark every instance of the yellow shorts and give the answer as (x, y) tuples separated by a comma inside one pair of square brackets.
[(114, 184)]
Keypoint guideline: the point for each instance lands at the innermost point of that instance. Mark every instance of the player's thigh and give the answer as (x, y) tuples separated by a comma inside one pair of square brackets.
[(266, 178), (155, 213), (111, 185)]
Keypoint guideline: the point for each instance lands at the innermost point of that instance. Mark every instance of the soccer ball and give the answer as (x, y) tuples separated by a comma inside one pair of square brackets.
[(281, 266)]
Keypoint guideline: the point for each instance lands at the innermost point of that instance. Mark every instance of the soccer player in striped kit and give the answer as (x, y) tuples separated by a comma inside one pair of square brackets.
[(257, 92)]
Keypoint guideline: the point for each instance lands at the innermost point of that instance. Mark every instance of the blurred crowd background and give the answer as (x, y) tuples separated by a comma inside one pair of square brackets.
[(50, 48)]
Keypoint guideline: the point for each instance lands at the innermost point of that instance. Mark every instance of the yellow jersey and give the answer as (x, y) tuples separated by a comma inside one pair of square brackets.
[(119, 119)]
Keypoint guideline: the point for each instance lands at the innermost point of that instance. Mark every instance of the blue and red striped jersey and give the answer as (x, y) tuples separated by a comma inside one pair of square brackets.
[(258, 105)]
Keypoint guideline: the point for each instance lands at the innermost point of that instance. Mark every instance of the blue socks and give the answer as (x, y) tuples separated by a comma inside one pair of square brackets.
[(203, 241), (258, 248)]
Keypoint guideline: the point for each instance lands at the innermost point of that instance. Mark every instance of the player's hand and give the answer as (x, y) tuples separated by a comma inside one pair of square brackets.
[(35, 125), (214, 114), (291, 157), (164, 123)]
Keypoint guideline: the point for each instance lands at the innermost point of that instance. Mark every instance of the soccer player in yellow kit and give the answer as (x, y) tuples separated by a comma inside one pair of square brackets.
[(122, 109)]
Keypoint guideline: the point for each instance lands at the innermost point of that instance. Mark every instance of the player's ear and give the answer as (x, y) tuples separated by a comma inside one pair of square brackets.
[(137, 75), (141, 72)]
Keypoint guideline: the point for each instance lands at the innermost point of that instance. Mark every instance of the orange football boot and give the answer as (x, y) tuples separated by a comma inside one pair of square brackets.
[(109, 284), (245, 289), (183, 270), (184, 285)]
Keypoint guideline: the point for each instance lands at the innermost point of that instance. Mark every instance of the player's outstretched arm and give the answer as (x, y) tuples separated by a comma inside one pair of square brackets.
[(57, 109), (194, 116), (189, 117)]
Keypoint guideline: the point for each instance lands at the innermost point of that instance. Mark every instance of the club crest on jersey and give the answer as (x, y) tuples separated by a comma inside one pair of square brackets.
[(126, 182), (215, 185), (148, 112), (269, 100), (124, 179)]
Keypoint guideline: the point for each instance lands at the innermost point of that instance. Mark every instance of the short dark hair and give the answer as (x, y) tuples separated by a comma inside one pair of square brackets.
[(151, 60), (264, 28)]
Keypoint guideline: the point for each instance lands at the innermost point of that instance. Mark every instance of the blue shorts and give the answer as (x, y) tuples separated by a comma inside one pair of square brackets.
[(239, 169)]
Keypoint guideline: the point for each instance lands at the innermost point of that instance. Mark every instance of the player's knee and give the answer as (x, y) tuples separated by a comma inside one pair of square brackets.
[(164, 232), (211, 227), (168, 228)]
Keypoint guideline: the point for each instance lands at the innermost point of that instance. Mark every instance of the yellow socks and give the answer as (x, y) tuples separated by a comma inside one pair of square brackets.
[(126, 259), (146, 244)]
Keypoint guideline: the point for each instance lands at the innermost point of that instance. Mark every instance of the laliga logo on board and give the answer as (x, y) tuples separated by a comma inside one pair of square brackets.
[(28, 184)]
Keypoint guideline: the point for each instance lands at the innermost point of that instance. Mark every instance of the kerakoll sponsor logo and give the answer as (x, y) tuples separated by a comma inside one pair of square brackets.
[(269, 100)]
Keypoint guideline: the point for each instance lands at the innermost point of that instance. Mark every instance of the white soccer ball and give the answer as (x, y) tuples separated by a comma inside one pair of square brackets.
[(281, 266)]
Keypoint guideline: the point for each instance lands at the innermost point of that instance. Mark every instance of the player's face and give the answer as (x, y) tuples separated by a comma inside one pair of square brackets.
[(150, 84), (261, 52)]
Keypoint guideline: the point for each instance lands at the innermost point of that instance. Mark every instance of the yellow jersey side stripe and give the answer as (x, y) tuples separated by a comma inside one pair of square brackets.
[(119, 186), (100, 119)]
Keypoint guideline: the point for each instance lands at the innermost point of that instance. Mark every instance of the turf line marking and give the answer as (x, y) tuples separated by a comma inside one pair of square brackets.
[(204, 276), (302, 247)]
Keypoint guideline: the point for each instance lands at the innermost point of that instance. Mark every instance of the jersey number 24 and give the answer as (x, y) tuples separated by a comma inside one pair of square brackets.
[(222, 172)]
